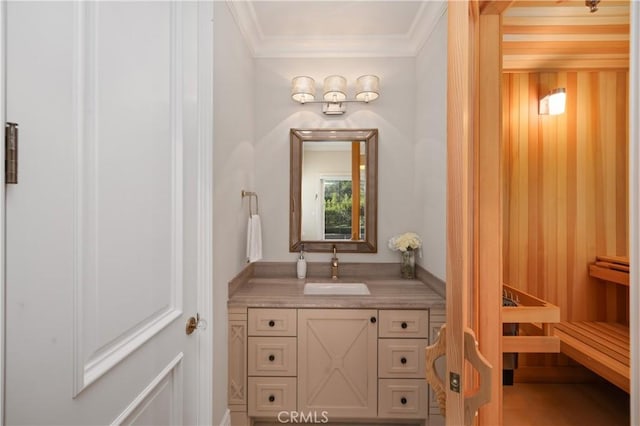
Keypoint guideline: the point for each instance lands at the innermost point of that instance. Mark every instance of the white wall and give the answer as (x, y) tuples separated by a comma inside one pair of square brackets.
[(253, 113), (393, 114), (431, 149), (233, 171)]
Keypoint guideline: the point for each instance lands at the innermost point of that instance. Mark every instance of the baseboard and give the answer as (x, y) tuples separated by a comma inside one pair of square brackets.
[(554, 374), (226, 420)]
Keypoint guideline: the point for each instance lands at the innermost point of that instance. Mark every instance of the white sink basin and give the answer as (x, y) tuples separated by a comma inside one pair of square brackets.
[(333, 288)]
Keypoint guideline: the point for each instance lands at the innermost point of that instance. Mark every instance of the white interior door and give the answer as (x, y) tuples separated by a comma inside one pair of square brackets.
[(102, 228)]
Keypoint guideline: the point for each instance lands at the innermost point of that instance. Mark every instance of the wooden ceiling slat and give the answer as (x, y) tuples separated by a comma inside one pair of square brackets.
[(559, 11), (563, 29), (559, 34), (566, 3), (565, 20), (565, 37), (575, 47), (575, 56), (533, 64)]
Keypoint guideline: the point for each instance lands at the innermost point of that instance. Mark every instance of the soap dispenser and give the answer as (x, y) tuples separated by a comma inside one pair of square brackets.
[(302, 265)]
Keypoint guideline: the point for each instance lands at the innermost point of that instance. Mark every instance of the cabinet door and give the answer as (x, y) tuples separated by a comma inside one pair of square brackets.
[(272, 356), (337, 362), (401, 358), (403, 398)]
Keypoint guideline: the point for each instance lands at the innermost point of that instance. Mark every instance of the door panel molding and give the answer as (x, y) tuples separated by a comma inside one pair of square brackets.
[(98, 344), (3, 115), (169, 379), (205, 357)]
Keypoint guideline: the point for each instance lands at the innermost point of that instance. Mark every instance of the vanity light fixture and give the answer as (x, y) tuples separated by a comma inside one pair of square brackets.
[(554, 102), (334, 93)]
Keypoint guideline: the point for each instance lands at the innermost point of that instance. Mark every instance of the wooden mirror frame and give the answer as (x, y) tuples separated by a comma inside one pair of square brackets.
[(370, 243)]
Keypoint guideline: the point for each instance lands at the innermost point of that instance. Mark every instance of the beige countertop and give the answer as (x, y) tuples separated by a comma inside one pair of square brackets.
[(253, 290)]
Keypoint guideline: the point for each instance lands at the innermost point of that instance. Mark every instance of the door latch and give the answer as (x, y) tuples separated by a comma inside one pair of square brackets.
[(11, 153), (194, 323), (454, 382)]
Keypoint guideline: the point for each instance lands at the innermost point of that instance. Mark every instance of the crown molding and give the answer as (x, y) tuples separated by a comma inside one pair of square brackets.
[(408, 44)]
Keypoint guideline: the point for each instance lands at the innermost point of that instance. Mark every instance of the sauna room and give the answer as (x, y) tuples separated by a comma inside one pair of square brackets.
[(565, 212)]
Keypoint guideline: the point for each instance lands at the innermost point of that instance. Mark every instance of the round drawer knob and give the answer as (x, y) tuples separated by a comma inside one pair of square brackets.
[(403, 400), (404, 325), (403, 360), (272, 323), (272, 398), (373, 320), (272, 358)]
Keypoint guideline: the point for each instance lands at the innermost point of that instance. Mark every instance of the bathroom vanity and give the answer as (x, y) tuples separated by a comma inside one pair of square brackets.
[(330, 357)]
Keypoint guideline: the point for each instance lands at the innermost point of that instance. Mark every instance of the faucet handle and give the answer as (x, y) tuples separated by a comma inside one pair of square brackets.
[(335, 251)]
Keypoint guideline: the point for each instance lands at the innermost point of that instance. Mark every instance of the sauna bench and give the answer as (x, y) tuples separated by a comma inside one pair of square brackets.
[(603, 347)]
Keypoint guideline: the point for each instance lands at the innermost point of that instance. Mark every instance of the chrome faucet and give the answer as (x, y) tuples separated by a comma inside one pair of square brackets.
[(334, 264)]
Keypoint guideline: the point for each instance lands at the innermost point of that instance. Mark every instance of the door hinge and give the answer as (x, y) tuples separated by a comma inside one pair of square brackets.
[(11, 153)]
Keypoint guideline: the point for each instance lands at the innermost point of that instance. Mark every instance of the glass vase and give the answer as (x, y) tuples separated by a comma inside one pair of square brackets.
[(408, 264)]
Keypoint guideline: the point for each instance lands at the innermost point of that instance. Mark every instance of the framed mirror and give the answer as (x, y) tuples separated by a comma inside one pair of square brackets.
[(334, 190)]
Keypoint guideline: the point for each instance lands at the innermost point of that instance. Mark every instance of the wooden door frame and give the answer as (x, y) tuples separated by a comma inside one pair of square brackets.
[(474, 140), (488, 210), (474, 197), (634, 205)]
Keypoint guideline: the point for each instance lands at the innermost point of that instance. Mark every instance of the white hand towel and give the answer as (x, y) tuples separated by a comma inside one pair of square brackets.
[(254, 239)]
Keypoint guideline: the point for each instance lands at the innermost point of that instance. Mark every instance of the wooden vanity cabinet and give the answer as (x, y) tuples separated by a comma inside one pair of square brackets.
[(347, 363), (402, 388), (272, 361), (237, 366)]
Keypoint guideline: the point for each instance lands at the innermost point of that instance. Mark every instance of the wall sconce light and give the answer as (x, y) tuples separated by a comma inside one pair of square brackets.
[(334, 93), (554, 102)]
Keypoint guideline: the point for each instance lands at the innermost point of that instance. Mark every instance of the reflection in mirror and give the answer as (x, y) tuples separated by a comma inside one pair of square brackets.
[(333, 190)]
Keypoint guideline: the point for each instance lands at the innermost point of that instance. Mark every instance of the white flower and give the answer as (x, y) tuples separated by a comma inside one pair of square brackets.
[(406, 241)]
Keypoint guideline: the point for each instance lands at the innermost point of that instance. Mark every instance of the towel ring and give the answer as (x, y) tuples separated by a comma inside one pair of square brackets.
[(250, 194)]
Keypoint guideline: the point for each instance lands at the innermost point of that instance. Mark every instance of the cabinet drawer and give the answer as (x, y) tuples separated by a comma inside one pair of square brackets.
[(272, 356), (272, 322), (401, 358), (270, 395), (396, 323), (402, 398)]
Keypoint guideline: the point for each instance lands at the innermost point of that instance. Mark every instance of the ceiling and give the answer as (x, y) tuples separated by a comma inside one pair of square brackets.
[(562, 34), (537, 34), (316, 28)]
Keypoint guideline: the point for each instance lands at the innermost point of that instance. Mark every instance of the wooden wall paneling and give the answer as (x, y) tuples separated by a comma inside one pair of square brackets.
[(548, 198), (571, 139), (532, 215), (559, 280), (488, 226), (566, 191)]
